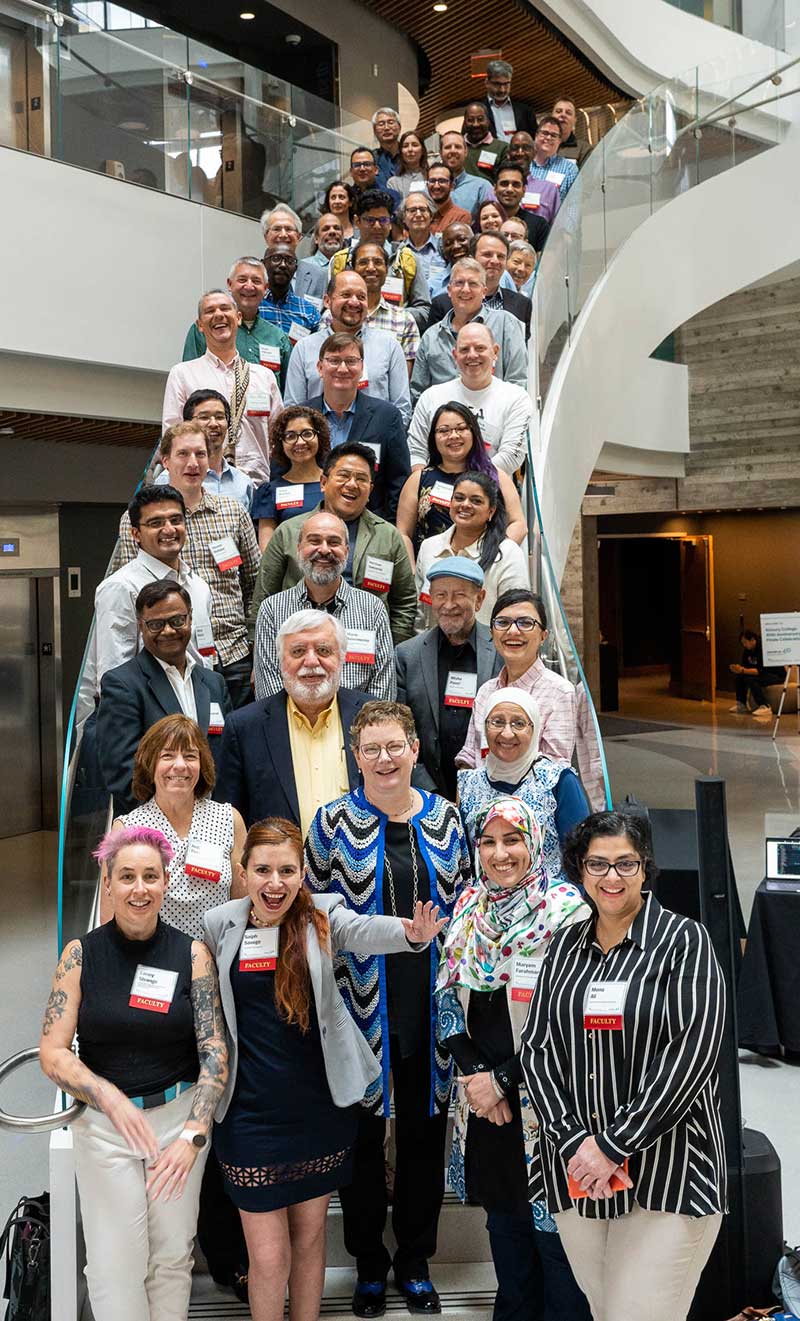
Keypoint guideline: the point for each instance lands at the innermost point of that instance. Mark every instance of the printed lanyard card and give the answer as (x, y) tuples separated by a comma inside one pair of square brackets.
[(269, 355), (203, 860), (524, 976), (377, 574), (604, 1006), (216, 720), (258, 951), (289, 497), (460, 688), (226, 553), (361, 646), (153, 989)]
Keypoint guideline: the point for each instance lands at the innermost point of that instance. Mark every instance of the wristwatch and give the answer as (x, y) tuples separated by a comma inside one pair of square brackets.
[(198, 1140)]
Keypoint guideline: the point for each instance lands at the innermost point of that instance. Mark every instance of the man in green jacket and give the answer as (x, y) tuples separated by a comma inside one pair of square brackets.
[(378, 560), (257, 340)]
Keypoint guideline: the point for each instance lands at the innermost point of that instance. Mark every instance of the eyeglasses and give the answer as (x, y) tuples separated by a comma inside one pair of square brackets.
[(350, 363), (375, 220), (307, 434), (548, 133), (343, 477), (416, 211), (466, 284), (600, 867), (169, 520), (444, 433), (526, 624), (516, 723), (363, 165), (156, 626), (372, 751)]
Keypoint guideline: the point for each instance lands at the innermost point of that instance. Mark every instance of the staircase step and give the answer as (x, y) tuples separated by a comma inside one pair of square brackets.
[(462, 1234)]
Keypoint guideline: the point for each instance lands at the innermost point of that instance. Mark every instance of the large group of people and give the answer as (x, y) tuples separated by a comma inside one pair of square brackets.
[(360, 864)]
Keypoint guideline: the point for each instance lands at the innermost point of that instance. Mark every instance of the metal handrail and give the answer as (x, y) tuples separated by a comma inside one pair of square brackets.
[(35, 1123), (766, 77)]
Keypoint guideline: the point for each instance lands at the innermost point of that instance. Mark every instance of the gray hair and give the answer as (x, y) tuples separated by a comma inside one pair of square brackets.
[(385, 110), (471, 265), (499, 69), (302, 621), (401, 210), (266, 217), (322, 217), (521, 245), (248, 261), (226, 293)]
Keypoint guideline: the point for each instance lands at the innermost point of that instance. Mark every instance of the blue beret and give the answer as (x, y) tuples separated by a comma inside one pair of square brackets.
[(457, 566)]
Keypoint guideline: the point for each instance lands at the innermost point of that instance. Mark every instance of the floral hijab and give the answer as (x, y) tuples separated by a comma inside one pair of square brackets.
[(491, 925)]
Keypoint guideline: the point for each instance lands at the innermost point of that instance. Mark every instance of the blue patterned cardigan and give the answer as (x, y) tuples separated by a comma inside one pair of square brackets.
[(344, 855)]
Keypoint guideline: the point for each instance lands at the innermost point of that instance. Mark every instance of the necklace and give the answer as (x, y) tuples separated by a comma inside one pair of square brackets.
[(259, 921), (390, 874)]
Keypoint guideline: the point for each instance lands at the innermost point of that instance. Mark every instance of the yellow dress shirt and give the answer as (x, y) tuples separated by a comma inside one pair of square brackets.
[(318, 757)]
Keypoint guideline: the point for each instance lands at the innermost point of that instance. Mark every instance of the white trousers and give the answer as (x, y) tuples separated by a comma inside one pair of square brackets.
[(139, 1252), (643, 1266)]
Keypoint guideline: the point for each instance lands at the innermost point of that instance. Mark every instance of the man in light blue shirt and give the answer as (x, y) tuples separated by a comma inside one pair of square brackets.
[(468, 190), (385, 369), (415, 215), (212, 410), (546, 163), (456, 240)]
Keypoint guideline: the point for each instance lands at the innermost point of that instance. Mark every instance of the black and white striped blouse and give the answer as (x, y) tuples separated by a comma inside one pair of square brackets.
[(647, 1092)]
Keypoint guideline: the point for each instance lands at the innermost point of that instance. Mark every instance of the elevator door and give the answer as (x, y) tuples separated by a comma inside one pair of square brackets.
[(20, 739)]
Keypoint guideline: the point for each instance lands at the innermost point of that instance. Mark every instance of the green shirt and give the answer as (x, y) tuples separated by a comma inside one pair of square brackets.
[(247, 342)]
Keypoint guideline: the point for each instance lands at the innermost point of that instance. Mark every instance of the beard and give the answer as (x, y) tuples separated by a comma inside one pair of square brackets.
[(314, 687), (321, 574)]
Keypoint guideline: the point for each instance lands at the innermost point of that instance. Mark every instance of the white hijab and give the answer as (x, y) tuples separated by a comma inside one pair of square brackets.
[(513, 772)]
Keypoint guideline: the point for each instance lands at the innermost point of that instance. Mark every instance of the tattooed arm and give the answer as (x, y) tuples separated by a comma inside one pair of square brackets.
[(60, 1064)]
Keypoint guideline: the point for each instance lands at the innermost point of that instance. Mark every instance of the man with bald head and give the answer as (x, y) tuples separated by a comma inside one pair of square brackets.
[(504, 411), (257, 340)]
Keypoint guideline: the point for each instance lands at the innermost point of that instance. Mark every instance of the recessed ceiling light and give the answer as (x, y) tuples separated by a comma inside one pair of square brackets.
[(440, 7), (247, 15)]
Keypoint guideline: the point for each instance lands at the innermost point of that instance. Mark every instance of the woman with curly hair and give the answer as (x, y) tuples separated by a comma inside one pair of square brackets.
[(299, 1066), (300, 441), (340, 201)]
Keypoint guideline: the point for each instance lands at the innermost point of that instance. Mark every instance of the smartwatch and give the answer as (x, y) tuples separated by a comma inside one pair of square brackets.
[(198, 1140)]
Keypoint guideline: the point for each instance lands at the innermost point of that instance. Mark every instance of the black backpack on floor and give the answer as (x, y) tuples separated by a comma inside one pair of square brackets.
[(25, 1241)]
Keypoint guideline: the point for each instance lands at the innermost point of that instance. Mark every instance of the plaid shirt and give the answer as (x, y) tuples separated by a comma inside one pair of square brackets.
[(231, 589), (355, 608), (556, 699), (292, 308), (400, 323), (556, 165)]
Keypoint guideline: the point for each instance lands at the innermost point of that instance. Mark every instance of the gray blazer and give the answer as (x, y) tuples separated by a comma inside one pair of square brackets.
[(349, 1063)]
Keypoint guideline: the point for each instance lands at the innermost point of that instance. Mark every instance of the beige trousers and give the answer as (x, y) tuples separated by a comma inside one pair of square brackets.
[(643, 1266)]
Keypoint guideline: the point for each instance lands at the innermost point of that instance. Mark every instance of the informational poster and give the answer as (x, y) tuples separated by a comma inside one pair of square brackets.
[(780, 638)]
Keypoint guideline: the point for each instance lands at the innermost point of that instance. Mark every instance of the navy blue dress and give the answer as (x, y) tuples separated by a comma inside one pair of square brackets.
[(265, 500), (282, 1140)]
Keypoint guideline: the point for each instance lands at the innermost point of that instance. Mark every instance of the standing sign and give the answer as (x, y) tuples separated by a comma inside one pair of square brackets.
[(780, 638)]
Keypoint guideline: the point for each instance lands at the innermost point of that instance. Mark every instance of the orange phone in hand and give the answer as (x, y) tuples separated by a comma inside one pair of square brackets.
[(617, 1186)]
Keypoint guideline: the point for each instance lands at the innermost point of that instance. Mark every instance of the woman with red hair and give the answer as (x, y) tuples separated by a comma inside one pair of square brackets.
[(299, 1066)]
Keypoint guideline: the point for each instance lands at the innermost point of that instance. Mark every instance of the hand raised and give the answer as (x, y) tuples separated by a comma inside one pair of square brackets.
[(425, 925)]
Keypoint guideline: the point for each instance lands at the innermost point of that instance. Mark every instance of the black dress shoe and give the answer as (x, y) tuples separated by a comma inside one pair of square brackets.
[(420, 1295), (369, 1298)]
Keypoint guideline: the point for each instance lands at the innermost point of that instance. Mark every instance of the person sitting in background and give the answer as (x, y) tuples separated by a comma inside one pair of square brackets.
[(468, 190), (519, 627), (363, 170), (440, 190), (151, 1067), (212, 410), (752, 677), (160, 680), (300, 445), (546, 163), (485, 148), (328, 239), (570, 147), (289, 751), (386, 127), (375, 211), (510, 183), (322, 554), (376, 557), (541, 195), (455, 242), (412, 166), (433, 364), (489, 217), (491, 252), (479, 532), (521, 267), (503, 410), (257, 340), (494, 949), (416, 215), (369, 260), (299, 1065), (455, 445), (297, 314), (252, 389), (515, 766), (340, 200), (439, 672)]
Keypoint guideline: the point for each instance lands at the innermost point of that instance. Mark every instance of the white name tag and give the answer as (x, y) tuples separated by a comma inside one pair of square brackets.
[(259, 402), (313, 299), (425, 594), (393, 289), (361, 646), (297, 332), (460, 689), (153, 989), (205, 637), (604, 1006), (203, 859), (375, 447), (225, 552), (289, 497), (258, 951), (269, 355), (524, 976), (441, 494), (532, 201), (554, 176), (487, 160), (377, 574), (216, 720)]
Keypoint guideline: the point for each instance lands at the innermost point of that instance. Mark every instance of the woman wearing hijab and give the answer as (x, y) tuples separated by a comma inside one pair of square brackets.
[(492, 955), (513, 765)]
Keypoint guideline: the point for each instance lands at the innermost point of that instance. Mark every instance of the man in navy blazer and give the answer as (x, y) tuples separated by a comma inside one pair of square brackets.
[(160, 681)]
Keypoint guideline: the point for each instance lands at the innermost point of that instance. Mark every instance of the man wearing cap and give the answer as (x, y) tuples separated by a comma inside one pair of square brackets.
[(440, 671)]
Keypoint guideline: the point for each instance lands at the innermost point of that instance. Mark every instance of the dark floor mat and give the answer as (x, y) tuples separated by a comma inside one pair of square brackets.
[(612, 726)]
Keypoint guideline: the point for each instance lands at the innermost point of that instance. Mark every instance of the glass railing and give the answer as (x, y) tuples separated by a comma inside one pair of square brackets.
[(160, 110)]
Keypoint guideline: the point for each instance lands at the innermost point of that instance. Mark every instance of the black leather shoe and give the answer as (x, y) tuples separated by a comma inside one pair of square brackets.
[(420, 1295), (369, 1298)]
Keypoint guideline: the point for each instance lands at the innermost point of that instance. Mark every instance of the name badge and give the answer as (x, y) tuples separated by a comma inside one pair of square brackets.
[(487, 160), (441, 494), (153, 989), (393, 289), (460, 689), (297, 332), (314, 300), (604, 1006), (216, 720), (361, 646), (259, 402), (258, 951), (226, 553), (425, 594), (289, 497), (532, 201), (374, 446), (553, 176), (377, 574), (203, 859), (204, 637), (269, 355), (363, 383), (524, 976)]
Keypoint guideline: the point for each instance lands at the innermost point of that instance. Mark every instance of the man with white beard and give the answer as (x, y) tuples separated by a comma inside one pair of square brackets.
[(368, 659), (288, 754)]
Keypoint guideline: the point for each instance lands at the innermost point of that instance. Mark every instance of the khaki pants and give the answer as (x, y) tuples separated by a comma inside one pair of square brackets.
[(643, 1266), (139, 1252)]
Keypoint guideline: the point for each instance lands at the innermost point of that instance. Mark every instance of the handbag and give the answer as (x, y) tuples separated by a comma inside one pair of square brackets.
[(786, 1284), (25, 1241)]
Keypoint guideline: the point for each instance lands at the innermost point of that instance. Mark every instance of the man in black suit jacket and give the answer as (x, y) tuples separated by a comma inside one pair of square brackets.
[(257, 770), (135, 695), (491, 250), (498, 96), (439, 672)]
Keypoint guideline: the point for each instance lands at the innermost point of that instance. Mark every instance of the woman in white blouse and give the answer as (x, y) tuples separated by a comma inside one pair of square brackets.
[(478, 511)]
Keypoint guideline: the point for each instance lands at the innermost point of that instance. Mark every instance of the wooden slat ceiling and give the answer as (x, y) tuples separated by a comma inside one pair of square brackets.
[(545, 65), (78, 430)]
